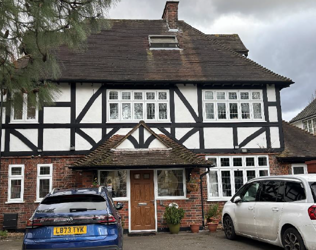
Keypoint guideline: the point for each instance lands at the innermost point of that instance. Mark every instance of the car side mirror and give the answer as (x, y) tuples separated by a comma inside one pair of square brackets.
[(119, 206), (237, 199)]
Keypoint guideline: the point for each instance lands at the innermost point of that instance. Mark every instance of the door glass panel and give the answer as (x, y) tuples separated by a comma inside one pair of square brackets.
[(226, 185), (170, 182), (269, 191)]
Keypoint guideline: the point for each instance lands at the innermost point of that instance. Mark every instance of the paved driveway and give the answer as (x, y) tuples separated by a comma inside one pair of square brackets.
[(182, 241)]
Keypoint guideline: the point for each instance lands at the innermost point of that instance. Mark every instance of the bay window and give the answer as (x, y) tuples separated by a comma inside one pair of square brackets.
[(16, 183)]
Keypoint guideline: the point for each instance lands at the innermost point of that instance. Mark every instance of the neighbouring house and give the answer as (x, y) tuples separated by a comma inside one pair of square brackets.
[(146, 110), (306, 119)]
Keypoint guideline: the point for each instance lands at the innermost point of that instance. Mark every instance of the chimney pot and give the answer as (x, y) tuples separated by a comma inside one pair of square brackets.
[(170, 14)]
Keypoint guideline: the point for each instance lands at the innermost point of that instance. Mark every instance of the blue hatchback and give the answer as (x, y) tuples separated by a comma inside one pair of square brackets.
[(84, 218)]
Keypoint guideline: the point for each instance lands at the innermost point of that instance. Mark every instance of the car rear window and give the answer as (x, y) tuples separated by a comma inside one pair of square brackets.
[(313, 188), (72, 204)]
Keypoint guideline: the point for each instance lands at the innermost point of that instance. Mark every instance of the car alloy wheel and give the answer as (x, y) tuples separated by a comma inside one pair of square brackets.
[(229, 228), (292, 240)]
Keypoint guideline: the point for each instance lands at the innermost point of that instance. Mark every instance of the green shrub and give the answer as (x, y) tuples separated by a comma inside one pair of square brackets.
[(212, 211), (173, 215), (3, 233)]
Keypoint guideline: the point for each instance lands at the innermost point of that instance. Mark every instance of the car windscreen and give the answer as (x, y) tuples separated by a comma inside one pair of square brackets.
[(313, 188), (72, 204)]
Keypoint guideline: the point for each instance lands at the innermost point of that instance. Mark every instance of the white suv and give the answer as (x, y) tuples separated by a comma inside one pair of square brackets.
[(280, 210)]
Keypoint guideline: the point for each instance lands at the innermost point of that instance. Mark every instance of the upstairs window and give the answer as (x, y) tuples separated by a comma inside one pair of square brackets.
[(136, 105), (22, 109), (163, 42), (235, 105)]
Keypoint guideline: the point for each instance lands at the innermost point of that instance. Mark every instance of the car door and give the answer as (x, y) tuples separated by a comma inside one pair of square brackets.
[(268, 210), (244, 210)]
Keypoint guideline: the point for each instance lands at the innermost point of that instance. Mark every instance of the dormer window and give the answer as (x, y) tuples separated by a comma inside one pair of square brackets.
[(163, 42)]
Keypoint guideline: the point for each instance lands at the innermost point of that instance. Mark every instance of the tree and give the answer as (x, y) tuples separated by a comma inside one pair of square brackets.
[(30, 32)]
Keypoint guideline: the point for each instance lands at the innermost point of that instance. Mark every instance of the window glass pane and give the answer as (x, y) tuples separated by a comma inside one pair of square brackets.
[(262, 161), (113, 95), (44, 170), (16, 171), (150, 95), (138, 96), (162, 110), (225, 162), (233, 110), (221, 95), (239, 180), (314, 126), (150, 110), (213, 192), (250, 194), (138, 111), (257, 114), (251, 174), (162, 96), (209, 110), (126, 95), (305, 125), (115, 181), (213, 161), (291, 191), (256, 96), (237, 162), (170, 182), (209, 95), (126, 111), (250, 161), (232, 95), (298, 170), (309, 126), (18, 107), (244, 95), (31, 110), (245, 111), (221, 110), (113, 110), (16, 189), (43, 188), (226, 184), (269, 191), (263, 173)]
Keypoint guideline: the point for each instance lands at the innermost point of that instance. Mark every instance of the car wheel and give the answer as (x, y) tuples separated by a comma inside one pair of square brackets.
[(292, 240), (229, 228)]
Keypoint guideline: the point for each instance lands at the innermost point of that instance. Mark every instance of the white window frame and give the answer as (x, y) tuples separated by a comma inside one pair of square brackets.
[(312, 128), (304, 166), (218, 169), (228, 101), (157, 197), (43, 177), (16, 177), (24, 113), (144, 101)]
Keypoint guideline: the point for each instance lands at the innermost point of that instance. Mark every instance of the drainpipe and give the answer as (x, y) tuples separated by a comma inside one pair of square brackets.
[(201, 186)]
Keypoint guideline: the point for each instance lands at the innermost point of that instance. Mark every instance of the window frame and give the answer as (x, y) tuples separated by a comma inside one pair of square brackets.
[(43, 177), (144, 101), (219, 169), (16, 177), (24, 112), (299, 166), (227, 101)]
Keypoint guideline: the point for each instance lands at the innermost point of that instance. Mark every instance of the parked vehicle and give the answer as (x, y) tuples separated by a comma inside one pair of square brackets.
[(84, 218), (279, 210)]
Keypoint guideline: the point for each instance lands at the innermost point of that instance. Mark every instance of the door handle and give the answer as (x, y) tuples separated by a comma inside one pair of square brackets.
[(142, 204), (250, 208), (275, 209)]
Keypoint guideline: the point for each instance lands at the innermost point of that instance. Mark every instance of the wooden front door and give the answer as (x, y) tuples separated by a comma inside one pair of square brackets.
[(142, 200)]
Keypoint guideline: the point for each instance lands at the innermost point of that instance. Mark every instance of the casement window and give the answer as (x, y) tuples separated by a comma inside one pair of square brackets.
[(299, 169), (116, 183), (136, 105), (16, 184), (171, 184), (310, 125), (23, 111), (44, 180), (231, 172), (236, 105)]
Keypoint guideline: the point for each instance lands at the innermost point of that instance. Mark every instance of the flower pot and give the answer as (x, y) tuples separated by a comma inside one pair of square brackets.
[(212, 227), (192, 187), (195, 228), (174, 229)]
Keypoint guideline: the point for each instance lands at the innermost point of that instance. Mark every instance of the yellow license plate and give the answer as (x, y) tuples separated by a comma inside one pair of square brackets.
[(70, 230)]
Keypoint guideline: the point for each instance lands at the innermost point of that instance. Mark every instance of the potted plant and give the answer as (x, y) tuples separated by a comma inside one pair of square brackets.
[(173, 216), (195, 228), (193, 184), (212, 217)]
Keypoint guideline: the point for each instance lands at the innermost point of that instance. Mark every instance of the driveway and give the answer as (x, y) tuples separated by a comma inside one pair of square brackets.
[(183, 241)]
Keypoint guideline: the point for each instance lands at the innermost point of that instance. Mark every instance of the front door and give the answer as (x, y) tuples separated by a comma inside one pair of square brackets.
[(142, 200)]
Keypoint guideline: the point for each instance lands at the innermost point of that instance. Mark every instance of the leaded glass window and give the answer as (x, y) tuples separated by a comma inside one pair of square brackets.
[(170, 183), (115, 181)]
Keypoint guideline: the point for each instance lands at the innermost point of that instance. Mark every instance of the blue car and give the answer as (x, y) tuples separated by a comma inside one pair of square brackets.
[(84, 218)]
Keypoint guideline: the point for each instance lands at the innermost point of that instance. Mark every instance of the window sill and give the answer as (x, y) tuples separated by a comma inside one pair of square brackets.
[(23, 122), (232, 121), (137, 121), (14, 202), (218, 199), (171, 198)]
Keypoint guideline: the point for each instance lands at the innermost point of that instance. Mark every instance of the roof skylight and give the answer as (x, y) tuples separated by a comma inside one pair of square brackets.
[(163, 42)]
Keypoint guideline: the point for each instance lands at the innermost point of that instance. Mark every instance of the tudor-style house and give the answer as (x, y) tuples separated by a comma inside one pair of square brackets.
[(148, 107)]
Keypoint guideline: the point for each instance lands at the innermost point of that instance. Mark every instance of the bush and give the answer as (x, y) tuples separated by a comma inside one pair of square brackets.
[(173, 215), (3, 233), (212, 211)]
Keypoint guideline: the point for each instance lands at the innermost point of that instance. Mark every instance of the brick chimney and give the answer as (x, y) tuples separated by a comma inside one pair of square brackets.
[(170, 14)]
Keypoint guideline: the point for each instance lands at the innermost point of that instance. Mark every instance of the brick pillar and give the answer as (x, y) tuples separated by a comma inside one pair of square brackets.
[(170, 14), (311, 166)]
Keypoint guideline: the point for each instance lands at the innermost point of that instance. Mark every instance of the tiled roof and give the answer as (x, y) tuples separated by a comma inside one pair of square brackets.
[(309, 111), (107, 156), (298, 143), (122, 54)]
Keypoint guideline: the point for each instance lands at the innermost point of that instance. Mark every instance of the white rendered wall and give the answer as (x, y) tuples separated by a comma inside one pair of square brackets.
[(30, 134), (64, 95), (244, 133), (298, 124), (17, 145), (56, 115), (193, 142), (258, 142), (221, 138), (56, 140), (182, 114), (94, 133), (126, 144), (190, 93), (275, 137), (271, 93), (156, 144), (81, 143), (180, 132), (273, 114)]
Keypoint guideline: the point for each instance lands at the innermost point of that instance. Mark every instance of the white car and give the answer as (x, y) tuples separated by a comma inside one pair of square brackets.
[(280, 210)]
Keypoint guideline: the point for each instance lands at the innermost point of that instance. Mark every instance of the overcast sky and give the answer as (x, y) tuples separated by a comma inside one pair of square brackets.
[(280, 34)]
